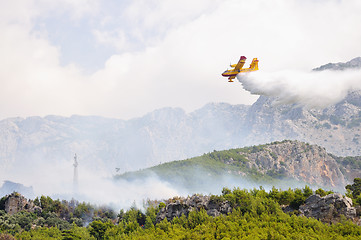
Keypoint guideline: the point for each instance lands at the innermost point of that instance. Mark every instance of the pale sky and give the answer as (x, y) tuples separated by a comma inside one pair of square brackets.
[(123, 59)]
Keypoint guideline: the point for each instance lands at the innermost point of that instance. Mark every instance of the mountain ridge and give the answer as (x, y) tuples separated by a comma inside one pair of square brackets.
[(269, 164), (352, 64), (104, 144)]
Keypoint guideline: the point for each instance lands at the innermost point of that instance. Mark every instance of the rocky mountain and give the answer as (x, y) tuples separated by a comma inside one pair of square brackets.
[(337, 128), (160, 136), (283, 164), (354, 63), (8, 187), (171, 134), (168, 134)]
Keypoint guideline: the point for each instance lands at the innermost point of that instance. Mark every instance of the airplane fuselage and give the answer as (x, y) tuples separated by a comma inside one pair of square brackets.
[(233, 72)]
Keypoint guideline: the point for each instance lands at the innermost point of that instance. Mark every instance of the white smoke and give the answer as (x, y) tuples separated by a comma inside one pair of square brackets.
[(99, 187), (310, 89), (96, 187)]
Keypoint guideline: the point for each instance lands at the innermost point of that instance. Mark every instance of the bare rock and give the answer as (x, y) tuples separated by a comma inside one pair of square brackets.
[(177, 207), (298, 160), (328, 209), (16, 202)]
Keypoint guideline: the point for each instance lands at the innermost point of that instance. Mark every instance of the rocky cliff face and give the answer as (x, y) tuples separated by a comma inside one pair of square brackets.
[(16, 202), (300, 161), (337, 128)]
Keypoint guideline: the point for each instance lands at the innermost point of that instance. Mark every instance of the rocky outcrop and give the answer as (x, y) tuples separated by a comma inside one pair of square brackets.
[(177, 207), (329, 208), (15, 203), (297, 160)]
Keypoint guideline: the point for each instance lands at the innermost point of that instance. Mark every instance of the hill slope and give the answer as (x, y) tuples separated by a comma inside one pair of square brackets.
[(278, 163)]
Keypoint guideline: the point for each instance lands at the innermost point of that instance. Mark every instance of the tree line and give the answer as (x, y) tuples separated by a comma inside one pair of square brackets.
[(256, 214)]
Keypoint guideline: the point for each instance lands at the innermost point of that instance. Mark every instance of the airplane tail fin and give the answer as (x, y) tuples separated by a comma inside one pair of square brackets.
[(254, 64)]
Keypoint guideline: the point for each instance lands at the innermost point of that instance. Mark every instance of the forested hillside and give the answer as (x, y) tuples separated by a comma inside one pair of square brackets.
[(278, 163)]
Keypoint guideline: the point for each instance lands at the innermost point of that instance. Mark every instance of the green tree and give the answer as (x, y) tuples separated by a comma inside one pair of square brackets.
[(83, 210), (2, 202), (275, 194), (148, 223), (307, 191), (151, 213), (24, 219), (298, 200), (134, 215), (321, 192), (286, 197), (97, 228), (355, 188), (196, 218), (226, 191)]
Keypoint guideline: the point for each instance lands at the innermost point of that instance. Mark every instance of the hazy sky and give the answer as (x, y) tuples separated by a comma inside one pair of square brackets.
[(126, 58)]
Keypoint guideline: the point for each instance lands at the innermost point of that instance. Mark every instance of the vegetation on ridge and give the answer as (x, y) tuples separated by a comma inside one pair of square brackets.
[(267, 165), (256, 214), (215, 164)]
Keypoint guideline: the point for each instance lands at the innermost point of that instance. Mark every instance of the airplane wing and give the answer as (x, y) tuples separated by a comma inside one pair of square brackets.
[(240, 63)]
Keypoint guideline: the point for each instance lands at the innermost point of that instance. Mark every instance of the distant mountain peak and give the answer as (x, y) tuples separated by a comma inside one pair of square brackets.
[(9, 187), (354, 63)]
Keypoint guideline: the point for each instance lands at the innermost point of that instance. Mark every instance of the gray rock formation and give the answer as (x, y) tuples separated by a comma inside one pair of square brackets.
[(15, 203), (337, 128), (329, 208), (177, 207), (297, 160)]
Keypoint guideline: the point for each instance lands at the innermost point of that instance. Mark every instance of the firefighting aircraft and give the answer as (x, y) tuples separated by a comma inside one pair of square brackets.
[(237, 68)]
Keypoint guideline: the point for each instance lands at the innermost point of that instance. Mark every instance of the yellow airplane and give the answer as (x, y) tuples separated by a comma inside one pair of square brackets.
[(237, 68)]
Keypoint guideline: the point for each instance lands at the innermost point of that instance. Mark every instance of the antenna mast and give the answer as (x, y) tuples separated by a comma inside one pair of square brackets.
[(75, 177)]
